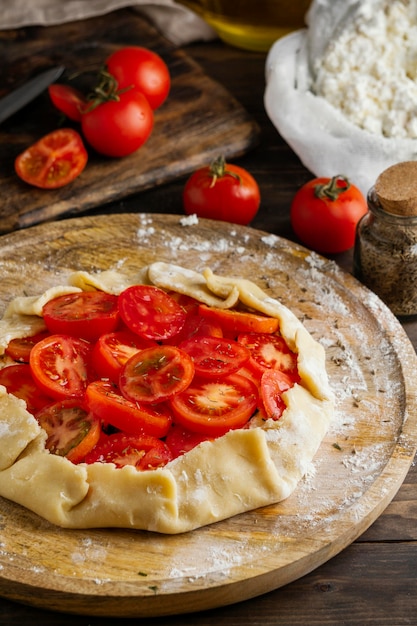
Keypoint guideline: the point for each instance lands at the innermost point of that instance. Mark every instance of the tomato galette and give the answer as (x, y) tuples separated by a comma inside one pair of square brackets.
[(163, 403)]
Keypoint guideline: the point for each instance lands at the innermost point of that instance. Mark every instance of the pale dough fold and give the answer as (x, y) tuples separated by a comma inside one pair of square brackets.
[(243, 470)]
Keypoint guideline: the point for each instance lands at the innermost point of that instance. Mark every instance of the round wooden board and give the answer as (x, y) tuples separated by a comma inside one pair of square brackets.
[(357, 471)]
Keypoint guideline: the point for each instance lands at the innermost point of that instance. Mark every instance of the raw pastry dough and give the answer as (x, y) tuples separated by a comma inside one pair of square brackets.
[(243, 470)]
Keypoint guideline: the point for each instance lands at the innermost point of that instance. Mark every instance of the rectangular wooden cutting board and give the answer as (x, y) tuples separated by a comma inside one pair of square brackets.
[(199, 120)]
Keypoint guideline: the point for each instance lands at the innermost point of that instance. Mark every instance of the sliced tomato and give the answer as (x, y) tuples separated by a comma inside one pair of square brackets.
[(156, 374), (85, 314), (239, 321), (269, 352), (196, 326), (104, 400), (53, 161), (67, 99), (215, 357), (151, 312), (213, 408), (19, 349), (19, 381), (181, 440), (112, 350), (144, 452), (273, 384), (72, 431), (61, 366)]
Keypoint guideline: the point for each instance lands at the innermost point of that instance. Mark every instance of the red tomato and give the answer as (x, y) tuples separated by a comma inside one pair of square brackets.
[(119, 126), (68, 100), (142, 451), (273, 385), (112, 350), (196, 326), (222, 192), (53, 161), (214, 407), (269, 352), (84, 314), (181, 440), (214, 357), (156, 374), (134, 65), (19, 349), (104, 400), (324, 214), (151, 312), (60, 365), (19, 381), (236, 322), (72, 431)]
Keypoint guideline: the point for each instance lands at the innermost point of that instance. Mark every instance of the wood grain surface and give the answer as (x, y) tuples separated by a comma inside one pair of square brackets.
[(356, 473), (198, 121)]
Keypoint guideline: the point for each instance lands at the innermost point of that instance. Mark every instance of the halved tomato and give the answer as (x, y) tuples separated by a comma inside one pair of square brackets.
[(144, 452), (215, 357), (112, 350), (104, 400), (156, 374), (72, 431), (269, 352), (61, 366), (85, 314), (19, 381), (236, 322), (151, 312), (19, 349), (215, 407), (54, 160)]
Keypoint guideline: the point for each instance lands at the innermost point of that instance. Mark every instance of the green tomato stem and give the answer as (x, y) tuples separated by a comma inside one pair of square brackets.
[(331, 190)]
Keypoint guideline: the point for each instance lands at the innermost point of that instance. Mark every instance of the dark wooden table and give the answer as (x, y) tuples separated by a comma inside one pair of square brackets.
[(374, 580)]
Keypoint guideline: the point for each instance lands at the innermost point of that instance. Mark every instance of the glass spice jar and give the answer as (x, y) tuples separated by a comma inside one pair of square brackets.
[(385, 253)]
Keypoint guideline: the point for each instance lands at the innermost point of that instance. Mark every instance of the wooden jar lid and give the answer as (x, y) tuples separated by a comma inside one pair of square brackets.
[(396, 189)]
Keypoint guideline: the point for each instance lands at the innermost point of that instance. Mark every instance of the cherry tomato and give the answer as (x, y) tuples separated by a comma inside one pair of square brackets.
[(181, 440), (61, 366), (134, 65), (215, 407), (68, 100), (273, 385), (119, 126), (151, 312), (269, 352), (222, 192), (84, 314), (53, 161), (142, 451), (324, 213), (112, 350), (104, 400), (239, 321), (215, 357), (156, 374), (72, 431), (19, 349), (19, 381)]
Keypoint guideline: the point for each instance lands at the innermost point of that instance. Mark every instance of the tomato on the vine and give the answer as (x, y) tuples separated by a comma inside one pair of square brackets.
[(324, 214), (53, 161), (222, 191), (143, 68), (67, 99)]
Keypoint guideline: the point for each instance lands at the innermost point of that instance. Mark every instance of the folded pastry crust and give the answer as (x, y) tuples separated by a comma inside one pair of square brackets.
[(242, 470)]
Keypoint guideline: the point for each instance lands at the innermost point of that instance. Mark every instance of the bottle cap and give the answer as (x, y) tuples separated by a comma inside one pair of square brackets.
[(396, 189)]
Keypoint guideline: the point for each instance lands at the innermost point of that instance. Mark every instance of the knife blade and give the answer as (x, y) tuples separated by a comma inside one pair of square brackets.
[(18, 98)]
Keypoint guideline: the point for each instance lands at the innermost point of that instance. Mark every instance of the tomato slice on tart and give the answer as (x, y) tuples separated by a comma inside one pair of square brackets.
[(112, 350), (72, 430), (151, 312), (214, 407), (215, 357), (273, 384), (181, 440), (156, 374), (19, 348), (85, 314), (19, 381), (142, 451), (236, 322), (269, 352), (61, 366), (106, 402)]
